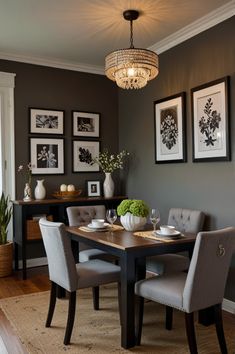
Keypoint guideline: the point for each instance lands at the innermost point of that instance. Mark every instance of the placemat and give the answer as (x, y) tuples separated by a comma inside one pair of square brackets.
[(149, 234), (114, 228)]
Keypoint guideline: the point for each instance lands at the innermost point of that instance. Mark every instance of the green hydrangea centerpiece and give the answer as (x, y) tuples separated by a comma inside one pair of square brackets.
[(133, 206)]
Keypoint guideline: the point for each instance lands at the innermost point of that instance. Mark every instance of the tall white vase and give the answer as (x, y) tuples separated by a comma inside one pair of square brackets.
[(108, 185), (40, 190)]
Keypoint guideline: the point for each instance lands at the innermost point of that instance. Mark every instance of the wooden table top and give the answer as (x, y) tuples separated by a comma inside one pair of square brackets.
[(126, 240)]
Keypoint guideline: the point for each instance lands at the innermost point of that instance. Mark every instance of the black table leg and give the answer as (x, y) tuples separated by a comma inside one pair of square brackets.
[(127, 263), (206, 317)]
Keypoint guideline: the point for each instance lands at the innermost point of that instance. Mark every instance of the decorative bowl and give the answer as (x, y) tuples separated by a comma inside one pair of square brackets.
[(67, 194)]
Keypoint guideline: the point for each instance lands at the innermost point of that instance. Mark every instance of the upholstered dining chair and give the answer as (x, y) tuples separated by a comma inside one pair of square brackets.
[(82, 215), (184, 220), (202, 287), (63, 271)]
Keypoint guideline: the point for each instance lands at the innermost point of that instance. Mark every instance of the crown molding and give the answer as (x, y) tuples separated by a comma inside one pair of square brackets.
[(54, 63), (213, 18)]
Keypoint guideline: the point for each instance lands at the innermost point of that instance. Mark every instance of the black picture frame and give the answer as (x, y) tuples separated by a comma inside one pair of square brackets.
[(170, 129), (47, 156), (83, 152), (93, 188), (46, 121), (85, 124), (211, 121)]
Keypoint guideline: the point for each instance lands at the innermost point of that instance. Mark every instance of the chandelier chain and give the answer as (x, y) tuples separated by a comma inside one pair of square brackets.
[(131, 35)]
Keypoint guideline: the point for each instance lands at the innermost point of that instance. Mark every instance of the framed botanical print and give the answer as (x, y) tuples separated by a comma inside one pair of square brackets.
[(93, 188), (211, 136), (46, 121), (169, 122), (86, 124), (83, 154), (47, 156)]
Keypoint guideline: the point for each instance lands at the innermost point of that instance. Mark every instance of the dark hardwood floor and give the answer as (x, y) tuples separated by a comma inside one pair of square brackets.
[(13, 286)]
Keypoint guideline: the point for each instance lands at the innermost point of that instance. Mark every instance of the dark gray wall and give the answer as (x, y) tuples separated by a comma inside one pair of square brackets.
[(207, 186), (43, 87)]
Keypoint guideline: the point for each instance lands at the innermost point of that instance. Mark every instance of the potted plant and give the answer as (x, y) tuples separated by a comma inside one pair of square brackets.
[(6, 248), (133, 214)]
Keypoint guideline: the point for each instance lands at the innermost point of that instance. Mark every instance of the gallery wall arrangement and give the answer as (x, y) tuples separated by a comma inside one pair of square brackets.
[(210, 124), (47, 152)]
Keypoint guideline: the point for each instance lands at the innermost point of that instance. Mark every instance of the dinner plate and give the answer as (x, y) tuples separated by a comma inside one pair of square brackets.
[(174, 233), (106, 225)]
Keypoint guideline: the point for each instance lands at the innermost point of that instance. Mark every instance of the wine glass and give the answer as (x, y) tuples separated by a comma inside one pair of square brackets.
[(111, 216), (154, 218)]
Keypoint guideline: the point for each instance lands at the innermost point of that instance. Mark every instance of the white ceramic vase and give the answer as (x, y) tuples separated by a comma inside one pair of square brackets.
[(40, 190), (131, 222), (108, 185), (27, 193)]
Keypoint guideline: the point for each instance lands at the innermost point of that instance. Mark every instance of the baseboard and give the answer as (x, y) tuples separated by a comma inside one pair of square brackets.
[(34, 262), (228, 306)]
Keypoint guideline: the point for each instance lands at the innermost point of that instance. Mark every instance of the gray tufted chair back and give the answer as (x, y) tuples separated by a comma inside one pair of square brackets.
[(82, 215), (61, 264), (208, 269), (186, 220)]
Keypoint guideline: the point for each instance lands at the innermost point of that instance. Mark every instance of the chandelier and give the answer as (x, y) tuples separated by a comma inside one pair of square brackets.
[(131, 68)]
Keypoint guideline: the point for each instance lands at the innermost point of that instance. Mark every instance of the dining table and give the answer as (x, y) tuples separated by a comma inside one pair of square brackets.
[(131, 248)]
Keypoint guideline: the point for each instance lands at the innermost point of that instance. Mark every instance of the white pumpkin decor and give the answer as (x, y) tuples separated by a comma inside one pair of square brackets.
[(71, 188), (63, 188)]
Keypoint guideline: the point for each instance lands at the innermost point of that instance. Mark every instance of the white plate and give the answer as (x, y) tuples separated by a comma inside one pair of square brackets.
[(173, 233), (106, 225)]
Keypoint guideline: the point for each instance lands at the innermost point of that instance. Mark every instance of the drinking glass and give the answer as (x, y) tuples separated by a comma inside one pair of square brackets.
[(111, 216), (154, 218)]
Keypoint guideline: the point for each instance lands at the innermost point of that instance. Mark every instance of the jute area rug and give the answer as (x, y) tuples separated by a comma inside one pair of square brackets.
[(99, 331)]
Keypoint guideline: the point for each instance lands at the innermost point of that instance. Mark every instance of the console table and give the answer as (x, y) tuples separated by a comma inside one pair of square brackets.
[(23, 213)]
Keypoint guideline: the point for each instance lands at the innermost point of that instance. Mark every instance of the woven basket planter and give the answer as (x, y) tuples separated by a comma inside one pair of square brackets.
[(6, 258)]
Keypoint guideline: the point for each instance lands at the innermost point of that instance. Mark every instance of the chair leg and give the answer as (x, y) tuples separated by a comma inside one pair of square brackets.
[(139, 318), (169, 317), (190, 330), (220, 329), (51, 304), (96, 295), (70, 319)]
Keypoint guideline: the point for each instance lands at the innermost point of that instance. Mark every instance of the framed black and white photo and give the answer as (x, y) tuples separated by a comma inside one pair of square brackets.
[(170, 129), (46, 121), (211, 136), (86, 124), (93, 188), (83, 153), (47, 156)]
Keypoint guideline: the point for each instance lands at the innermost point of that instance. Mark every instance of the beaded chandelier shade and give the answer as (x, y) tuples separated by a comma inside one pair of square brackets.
[(131, 68)]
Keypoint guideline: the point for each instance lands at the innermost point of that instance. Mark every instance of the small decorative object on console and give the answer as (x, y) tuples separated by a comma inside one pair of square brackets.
[(67, 194)]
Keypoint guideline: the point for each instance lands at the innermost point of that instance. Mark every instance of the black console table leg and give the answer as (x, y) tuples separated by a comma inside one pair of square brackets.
[(24, 262), (16, 256)]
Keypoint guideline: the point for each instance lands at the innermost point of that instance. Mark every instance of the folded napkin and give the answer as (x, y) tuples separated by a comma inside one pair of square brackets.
[(149, 234), (88, 229)]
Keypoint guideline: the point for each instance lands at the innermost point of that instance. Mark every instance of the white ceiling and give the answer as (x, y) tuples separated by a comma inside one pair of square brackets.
[(79, 33)]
